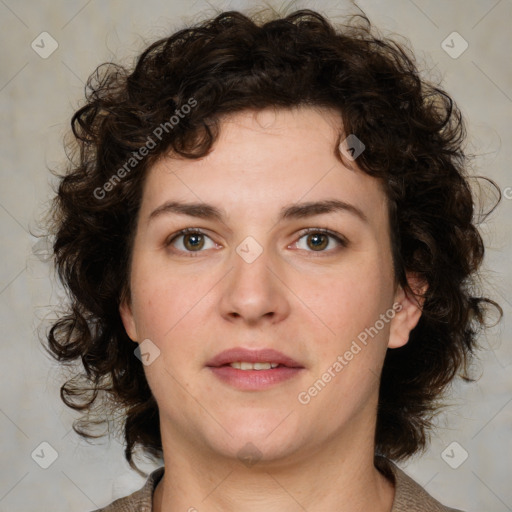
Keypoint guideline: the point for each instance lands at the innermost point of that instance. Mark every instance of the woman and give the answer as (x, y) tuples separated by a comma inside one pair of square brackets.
[(267, 235)]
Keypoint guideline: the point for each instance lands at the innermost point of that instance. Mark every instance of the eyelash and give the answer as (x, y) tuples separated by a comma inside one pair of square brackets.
[(342, 241)]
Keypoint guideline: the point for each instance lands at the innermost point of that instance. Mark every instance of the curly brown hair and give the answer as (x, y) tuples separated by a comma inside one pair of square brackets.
[(413, 133)]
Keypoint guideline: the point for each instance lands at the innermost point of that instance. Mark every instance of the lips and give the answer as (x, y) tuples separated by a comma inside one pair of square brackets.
[(239, 354), (283, 369)]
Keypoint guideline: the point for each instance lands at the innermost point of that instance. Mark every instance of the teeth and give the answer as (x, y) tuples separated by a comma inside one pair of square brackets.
[(253, 366)]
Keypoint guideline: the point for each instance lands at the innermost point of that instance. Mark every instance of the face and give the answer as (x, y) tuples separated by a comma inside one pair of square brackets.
[(263, 268)]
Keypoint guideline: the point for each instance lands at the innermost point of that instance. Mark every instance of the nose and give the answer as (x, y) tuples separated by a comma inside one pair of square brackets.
[(255, 291)]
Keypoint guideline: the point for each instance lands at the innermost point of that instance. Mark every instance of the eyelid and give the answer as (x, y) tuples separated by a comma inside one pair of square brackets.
[(340, 239)]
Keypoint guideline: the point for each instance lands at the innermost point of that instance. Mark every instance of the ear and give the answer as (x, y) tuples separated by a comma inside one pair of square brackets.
[(125, 310), (408, 311)]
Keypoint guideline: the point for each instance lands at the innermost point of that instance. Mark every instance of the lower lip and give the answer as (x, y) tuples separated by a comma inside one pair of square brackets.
[(254, 379)]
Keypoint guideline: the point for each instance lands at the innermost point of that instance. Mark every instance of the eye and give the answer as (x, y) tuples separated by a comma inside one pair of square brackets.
[(193, 240), (317, 239)]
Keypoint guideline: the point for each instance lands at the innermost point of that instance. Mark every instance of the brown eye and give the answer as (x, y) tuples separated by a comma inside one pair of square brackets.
[(317, 240), (193, 241), (189, 240)]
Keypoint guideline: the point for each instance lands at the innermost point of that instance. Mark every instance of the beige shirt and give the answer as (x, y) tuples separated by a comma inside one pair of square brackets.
[(409, 496)]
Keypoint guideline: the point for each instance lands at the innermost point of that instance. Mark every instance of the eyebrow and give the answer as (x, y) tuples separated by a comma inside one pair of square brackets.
[(292, 211)]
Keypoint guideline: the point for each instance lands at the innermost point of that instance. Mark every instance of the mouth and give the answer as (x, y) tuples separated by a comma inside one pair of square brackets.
[(253, 370)]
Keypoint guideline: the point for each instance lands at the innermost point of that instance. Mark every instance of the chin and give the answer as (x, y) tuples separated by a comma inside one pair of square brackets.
[(251, 450), (257, 422), (266, 438)]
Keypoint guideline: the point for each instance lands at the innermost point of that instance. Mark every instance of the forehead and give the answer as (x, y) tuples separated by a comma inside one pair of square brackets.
[(263, 160)]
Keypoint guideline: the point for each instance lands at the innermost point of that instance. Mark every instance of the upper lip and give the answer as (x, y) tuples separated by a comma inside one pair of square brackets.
[(239, 354)]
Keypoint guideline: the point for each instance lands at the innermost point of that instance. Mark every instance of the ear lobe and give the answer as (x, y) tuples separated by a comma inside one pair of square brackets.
[(125, 311), (408, 315)]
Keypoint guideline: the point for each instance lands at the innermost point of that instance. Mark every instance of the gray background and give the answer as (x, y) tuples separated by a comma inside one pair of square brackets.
[(37, 99)]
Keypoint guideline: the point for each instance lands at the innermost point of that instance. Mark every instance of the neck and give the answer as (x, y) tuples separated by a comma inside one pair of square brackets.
[(339, 475)]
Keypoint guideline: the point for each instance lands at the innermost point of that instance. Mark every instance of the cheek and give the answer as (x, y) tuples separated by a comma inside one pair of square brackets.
[(350, 299), (165, 305), (351, 353), (352, 309)]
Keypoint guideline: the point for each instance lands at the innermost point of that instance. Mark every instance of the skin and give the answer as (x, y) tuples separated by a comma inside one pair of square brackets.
[(307, 303)]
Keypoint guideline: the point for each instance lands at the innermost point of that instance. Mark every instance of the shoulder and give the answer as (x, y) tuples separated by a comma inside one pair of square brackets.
[(139, 501), (409, 496)]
